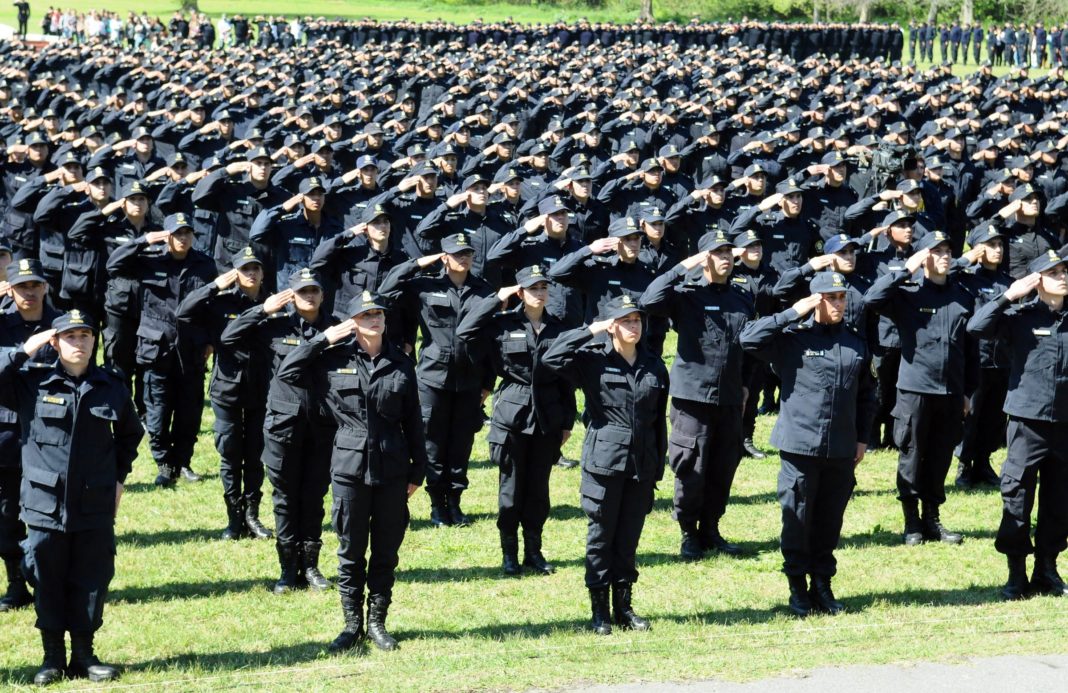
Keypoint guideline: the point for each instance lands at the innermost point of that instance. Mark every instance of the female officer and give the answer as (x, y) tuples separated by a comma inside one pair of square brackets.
[(378, 460), (626, 389), (533, 410)]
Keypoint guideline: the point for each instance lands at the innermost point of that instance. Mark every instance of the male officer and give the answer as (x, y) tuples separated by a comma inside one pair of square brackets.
[(826, 408), (707, 388), (69, 498)]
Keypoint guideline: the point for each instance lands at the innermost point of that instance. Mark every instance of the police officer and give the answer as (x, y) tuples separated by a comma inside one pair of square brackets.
[(936, 377), (237, 390), (707, 388), (1036, 335), (28, 292), (378, 459), (626, 389), (69, 500), (451, 386), (533, 410), (173, 371), (297, 430), (826, 408)]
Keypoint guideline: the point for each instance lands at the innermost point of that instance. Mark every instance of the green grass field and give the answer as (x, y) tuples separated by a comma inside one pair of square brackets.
[(191, 612)]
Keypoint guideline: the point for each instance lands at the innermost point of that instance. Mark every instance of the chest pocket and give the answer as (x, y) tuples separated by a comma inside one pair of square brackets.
[(615, 389), (50, 425), (439, 311), (389, 397), (347, 390)]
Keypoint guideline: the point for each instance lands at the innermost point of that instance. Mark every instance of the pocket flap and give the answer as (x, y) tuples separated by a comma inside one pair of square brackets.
[(515, 395), (350, 441), (104, 411), (48, 410), (41, 476), (591, 489), (284, 406), (682, 440), (614, 435), (149, 333)]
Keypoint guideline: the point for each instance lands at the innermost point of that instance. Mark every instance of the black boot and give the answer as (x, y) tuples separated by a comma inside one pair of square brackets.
[(252, 521), (510, 553), (235, 523), (189, 475), (532, 556), (456, 514), (1017, 586), (933, 529), (84, 664), (377, 609), (55, 658), (690, 549), (983, 473), (166, 478), (964, 475), (601, 623), (751, 450), (439, 508), (822, 597), (289, 560), (17, 595), (310, 555), (1045, 579), (913, 526), (622, 611), (565, 463), (800, 603), (352, 634), (712, 540)]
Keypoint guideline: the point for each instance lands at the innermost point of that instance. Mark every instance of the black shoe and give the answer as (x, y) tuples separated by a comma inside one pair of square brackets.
[(310, 564), (532, 556), (712, 540), (1017, 586), (751, 450), (252, 521), (289, 560), (964, 478), (377, 610), (622, 611), (456, 513), (165, 478), (822, 597), (983, 473), (17, 596), (933, 529), (352, 635), (690, 548), (84, 664), (601, 621), (800, 603), (189, 475), (235, 522), (1045, 579), (439, 509), (55, 658), (510, 552), (565, 463), (913, 525)]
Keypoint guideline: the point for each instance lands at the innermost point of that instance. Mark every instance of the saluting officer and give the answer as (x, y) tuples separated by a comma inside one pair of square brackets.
[(1036, 334), (707, 387), (378, 460), (826, 408), (68, 498), (626, 390), (533, 410)]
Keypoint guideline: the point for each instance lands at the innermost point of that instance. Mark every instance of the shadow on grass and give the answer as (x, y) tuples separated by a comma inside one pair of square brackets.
[(171, 536), (140, 594)]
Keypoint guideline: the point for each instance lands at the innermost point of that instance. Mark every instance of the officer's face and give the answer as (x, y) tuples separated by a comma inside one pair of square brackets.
[(72, 173), (308, 299), (313, 200), (51, 123), (1054, 281), (100, 190), (653, 176), (836, 174), (448, 164), (993, 251), (720, 261), (753, 254), (845, 260), (333, 131), (459, 262), (540, 161), (556, 224), (901, 233), (1024, 175), (144, 145), (180, 242), (791, 204), (580, 189), (324, 158), (911, 201), (226, 127), (374, 141), (136, 205), (504, 150), (197, 116), (370, 323), (672, 164), (535, 296), (477, 194), (250, 276), (755, 183), (940, 258), (260, 169), (305, 122), (369, 176), (831, 308), (463, 136), (627, 329), (427, 185), (29, 296), (378, 229), (75, 347), (631, 158), (1030, 206), (37, 153), (956, 146), (629, 246), (511, 188), (654, 231)]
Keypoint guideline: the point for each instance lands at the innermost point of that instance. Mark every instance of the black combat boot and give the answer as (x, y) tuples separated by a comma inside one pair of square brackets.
[(913, 525), (456, 514), (1045, 579), (166, 478), (822, 597), (751, 450), (55, 658), (289, 560), (377, 610), (965, 479), (310, 564), (933, 529), (712, 540), (352, 634), (189, 475), (1017, 586), (510, 553), (84, 664), (235, 523), (800, 603), (983, 473), (532, 556), (17, 595), (622, 611), (690, 549), (601, 623), (439, 508), (252, 520)]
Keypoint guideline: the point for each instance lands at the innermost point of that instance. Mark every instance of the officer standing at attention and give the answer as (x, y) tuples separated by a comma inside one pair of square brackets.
[(707, 387), (533, 410), (237, 390), (934, 380), (28, 291), (451, 387), (378, 460), (69, 500), (626, 391), (826, 408), (297, 429), (1036, 334)]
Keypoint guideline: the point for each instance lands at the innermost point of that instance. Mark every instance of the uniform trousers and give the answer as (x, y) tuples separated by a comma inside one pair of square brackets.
[(524, 462), (984, 427), (926, 429), (451, 420), (174, 404), (298, 468), (813, 493), (1037, 450), (704, 449), (615, 508), (12, 531), (365, 514), (239, 441), (70, 573)]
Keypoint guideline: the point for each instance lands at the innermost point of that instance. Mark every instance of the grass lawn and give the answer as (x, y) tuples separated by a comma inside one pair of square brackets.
[(191, 612)]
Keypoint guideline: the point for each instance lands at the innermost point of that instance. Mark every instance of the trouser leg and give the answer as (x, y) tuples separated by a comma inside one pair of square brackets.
[(389, 520), (159, 409), (1051, 526), (1019, 478), (635, 503), (351, 516), (837, 481), (798, 485), (314, 481), (229, 428), (687, 455), (12, 531), (187, 384), (544, 451)]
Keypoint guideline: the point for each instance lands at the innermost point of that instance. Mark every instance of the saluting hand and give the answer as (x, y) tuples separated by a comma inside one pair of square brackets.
[(278, 301), (335, 333), (506, 292), (226, 279), (807, 305), (153, 237), (1023, 286), (822, 262), (599, 326), (914, 263), (604, 245), (37, 340), (292, 202), (975, 254), (696, 260), (428, 260)]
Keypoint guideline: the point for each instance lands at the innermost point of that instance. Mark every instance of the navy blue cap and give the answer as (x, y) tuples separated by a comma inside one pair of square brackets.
[(372, 212), (25, 270), (257, 153), (907, 186), (987, 231), (834, 158), (173, 222), (366, 160), (424, 168), (652, 216), (364, 302), (311, 183), (527, 277), (245, 256), (651, 165), (620, 307), (96, 174), (746, 238), (1044, 262), (896, 216), (134, 188), (551, 205), (713, 240), (303, 278), (933, 240), (827, 283), (74, 320), (788, 187), (623, 226), (474, 179), (456, 243), (837, 242)]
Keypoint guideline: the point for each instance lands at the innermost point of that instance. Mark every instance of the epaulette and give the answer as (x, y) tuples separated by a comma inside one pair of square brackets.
[(291, 215)]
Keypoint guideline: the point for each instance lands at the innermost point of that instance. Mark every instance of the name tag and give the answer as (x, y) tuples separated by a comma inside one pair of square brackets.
[(610, 369), (778, 236), (54, 400), (346, 371), (439, 294), (291, 341), (301, 241), (930, 311), (614, 282), (987, 291), (231, 316), (740, 280), (813, 352), (1040, 332), (161, 274), (417, 216), (711, 307), (517, 335)]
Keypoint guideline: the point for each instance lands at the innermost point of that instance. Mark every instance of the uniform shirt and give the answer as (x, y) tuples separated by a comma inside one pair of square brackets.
[(986, 285), (601, 278), (13, 333), (64, 418), (93, 239), (289, 240), (518, 249), (626, 405), (482, 231), (708, 319), (55, 214), (827, 397), (788, 242), (237, 202)]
